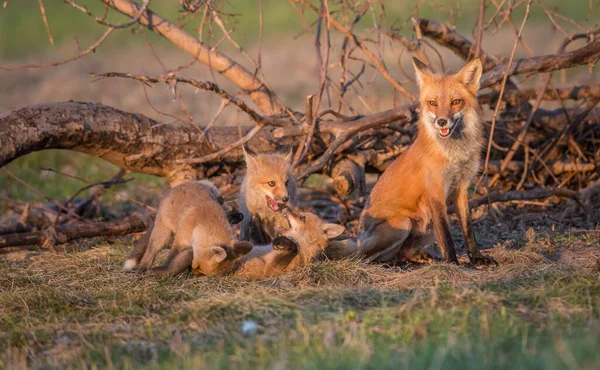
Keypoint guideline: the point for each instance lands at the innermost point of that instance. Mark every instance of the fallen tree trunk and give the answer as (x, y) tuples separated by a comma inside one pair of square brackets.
[(60, 235), (130, 141), (140, 144)]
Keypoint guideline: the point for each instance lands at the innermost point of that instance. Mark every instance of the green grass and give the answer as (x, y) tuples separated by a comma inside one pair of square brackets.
[(23, 32), (32, 169), (80, 310)]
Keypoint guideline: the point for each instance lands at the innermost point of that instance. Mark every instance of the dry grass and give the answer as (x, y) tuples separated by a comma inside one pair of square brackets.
[(80, 309)]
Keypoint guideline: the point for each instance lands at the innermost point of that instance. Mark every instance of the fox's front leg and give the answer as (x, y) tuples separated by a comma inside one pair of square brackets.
[(461, 203), (442, 230)]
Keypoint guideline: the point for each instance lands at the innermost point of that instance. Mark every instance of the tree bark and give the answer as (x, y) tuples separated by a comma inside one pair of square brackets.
[(51, 237), (140, 144)]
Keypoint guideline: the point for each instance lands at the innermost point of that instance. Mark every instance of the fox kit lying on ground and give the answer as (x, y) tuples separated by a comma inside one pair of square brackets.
[(440, 165), (300, 243), (267, 187), (193, 212)]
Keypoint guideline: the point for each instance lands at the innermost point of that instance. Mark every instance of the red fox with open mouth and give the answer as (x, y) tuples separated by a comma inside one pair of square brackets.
[(412, 193), (300, 243), (268, 186)]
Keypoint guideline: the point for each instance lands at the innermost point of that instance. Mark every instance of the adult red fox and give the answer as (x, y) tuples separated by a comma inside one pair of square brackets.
[(439, 166)]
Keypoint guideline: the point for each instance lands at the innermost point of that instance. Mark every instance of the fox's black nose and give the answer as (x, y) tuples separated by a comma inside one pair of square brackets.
[(285, 199), (442, 122)]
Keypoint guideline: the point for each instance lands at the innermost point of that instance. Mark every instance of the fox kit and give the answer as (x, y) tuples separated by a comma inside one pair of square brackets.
[(441, 163), (301, 242), (193, 213), (267, 187)]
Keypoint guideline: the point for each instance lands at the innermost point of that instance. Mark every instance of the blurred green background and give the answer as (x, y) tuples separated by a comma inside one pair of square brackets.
[(22, 31)]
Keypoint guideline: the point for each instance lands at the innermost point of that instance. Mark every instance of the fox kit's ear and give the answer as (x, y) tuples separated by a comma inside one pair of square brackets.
[(423, 72), (288, 153), (219, 254), (249, 156), (470, 75), (242, 248), (333, 230)]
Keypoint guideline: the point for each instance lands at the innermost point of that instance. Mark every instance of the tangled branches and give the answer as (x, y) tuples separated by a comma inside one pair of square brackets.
[(543, 141)]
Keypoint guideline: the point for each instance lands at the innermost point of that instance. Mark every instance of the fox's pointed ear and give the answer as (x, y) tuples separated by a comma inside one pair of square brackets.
[(423, 72), (333, 230), (219, 254), (470, 75), (249, 156), (242, 248), (288, 153)]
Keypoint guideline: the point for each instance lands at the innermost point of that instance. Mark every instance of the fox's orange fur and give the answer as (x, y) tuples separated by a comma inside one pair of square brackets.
[(300, 243), (439, 166), (191, 214), (268, 186)]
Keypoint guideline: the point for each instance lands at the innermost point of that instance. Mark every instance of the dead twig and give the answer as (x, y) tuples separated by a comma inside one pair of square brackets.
[(202, 85), (54, 64), (502, 86)]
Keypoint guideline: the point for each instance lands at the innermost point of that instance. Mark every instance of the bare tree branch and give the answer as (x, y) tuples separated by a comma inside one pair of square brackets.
[(62, 234), (72, 59), (265, 99)]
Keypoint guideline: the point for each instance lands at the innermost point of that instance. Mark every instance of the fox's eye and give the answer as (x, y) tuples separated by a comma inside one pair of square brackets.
[(432, 103), (271, 184), (287, 182), (302, 218), (456, 101)]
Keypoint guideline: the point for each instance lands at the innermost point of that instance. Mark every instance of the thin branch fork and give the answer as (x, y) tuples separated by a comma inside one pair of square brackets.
[(89, 50), (101, 21), (565, 93), (557, 167), (411, 46), (581, 197), (380, 66), (172, 80), (262, 96), (586, 55), (346, 130), (454, 41)]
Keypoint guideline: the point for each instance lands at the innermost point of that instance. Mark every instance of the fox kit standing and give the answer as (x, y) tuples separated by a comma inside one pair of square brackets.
[(440, 165), (268, 185), (300, 243), (192, 211)]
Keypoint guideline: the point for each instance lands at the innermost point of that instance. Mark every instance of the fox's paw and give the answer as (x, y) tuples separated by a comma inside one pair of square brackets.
[(284, 244), (144, 266), (129, 265), (235, 217), (482, 260)]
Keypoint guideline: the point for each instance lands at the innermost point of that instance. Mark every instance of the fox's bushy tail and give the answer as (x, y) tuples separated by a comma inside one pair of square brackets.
[(341, 248)]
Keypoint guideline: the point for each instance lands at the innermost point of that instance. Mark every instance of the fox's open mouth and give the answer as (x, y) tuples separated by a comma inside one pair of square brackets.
[(272, 204), (281, 229), (446, 131)]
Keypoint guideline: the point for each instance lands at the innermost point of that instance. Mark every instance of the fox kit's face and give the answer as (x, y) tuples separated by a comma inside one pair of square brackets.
[(219, 259), (307, 228), (446, 100), (269, 175)]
